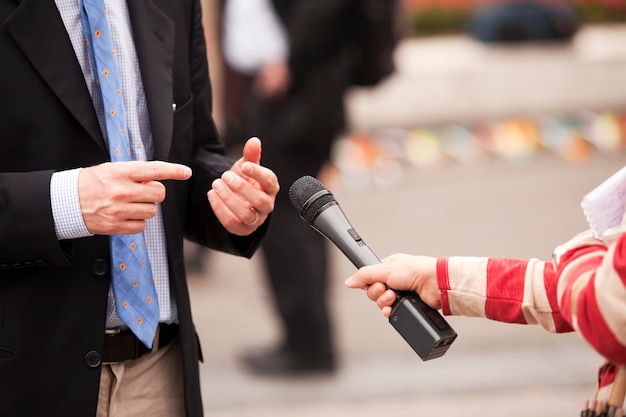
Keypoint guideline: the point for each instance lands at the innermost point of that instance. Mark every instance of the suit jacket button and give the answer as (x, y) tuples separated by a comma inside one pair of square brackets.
[(40, 262), (92, 359), (100, 267)]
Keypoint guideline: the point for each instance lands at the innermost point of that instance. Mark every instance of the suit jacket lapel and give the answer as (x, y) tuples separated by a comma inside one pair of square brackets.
[(38, 29), (154, 41)]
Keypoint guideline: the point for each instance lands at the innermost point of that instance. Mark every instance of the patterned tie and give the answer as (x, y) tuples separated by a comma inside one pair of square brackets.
[(133, 284)]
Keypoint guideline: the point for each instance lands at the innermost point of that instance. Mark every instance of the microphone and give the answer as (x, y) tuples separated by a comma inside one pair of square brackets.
[(421, 326)]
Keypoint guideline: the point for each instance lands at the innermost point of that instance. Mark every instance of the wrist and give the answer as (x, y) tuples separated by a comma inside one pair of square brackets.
[(443, 282)]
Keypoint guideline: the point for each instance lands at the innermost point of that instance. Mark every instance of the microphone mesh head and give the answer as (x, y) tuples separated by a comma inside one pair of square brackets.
[(302, 190)]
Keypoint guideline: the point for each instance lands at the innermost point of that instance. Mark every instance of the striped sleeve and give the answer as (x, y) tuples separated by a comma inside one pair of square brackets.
[(592, 294), (586, 292), (501, 289)]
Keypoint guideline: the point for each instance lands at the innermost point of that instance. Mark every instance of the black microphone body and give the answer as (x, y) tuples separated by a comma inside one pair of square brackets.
[(423, 328)]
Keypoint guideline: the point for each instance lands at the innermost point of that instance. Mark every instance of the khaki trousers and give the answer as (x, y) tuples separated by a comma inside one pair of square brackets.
[(151, 386)]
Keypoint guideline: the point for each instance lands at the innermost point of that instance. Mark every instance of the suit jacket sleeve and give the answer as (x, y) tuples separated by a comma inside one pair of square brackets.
[(28, 235)]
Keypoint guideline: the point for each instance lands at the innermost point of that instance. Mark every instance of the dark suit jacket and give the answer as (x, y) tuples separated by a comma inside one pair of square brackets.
[(53, 294)]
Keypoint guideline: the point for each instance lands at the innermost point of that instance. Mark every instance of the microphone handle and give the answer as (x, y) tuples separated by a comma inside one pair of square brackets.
[(333, 224)]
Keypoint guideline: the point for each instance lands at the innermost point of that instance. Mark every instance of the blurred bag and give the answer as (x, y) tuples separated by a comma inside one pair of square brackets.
[(372, 37), (524, 21)]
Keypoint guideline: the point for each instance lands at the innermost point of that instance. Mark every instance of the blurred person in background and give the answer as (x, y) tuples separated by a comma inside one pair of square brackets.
[(583, 288), (288, 64), (284, 81)]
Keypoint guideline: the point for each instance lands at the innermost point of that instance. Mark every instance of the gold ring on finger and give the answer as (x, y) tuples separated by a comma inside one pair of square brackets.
[(256, 218)]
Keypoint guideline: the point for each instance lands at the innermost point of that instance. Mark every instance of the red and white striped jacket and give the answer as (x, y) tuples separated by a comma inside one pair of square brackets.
[(583, 288)]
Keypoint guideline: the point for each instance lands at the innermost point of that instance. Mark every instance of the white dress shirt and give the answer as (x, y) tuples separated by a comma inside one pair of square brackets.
[(253, 35), (66, 211)]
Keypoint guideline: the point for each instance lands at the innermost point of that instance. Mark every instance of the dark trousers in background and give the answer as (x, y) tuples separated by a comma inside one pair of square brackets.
[(297, 133)]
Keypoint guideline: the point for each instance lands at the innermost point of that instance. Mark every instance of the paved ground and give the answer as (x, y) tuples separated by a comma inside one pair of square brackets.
[(496, 208)]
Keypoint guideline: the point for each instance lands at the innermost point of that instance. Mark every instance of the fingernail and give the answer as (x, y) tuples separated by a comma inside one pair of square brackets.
[(387, 296), (227, 177), (349, 281)]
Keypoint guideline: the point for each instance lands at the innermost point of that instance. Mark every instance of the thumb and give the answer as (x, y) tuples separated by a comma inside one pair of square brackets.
[(363, 277), (352, 282), (252, 150)]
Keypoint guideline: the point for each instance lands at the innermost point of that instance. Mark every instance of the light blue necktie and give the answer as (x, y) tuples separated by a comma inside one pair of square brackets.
[(133, 284)]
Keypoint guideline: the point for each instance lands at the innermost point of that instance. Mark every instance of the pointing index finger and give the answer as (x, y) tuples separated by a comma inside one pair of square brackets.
[(142, 171)]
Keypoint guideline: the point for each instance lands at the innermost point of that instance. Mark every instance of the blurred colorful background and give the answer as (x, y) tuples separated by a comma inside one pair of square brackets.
[(490, 79)]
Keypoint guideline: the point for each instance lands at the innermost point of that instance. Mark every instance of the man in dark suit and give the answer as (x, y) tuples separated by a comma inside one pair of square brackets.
[(63, 350)]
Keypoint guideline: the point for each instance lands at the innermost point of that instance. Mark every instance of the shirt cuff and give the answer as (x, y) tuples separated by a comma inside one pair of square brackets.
[(66, 212), (443, 282)]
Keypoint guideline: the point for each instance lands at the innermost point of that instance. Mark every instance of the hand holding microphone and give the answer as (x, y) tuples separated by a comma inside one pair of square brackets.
[(424, 329), (400, 271)]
